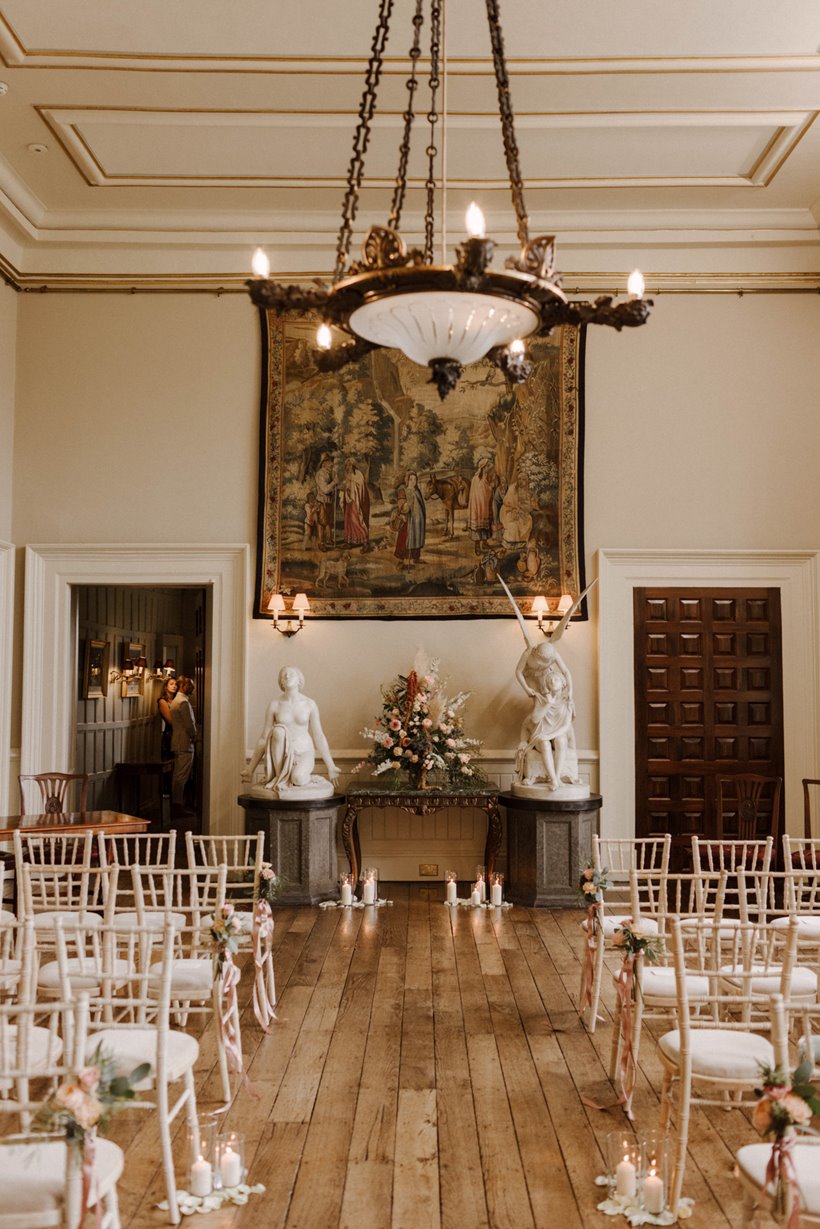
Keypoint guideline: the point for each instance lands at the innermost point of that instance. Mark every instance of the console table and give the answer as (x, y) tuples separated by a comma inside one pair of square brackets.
[(419, 802), (548, 843)]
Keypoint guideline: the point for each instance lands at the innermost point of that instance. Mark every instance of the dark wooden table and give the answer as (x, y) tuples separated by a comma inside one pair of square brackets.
[(114, 822), (420, 802)]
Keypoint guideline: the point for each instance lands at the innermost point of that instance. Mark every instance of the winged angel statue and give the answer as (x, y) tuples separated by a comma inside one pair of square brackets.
[(546, 761)]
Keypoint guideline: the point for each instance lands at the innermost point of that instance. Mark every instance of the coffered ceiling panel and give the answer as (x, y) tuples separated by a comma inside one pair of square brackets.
[(159, 142)]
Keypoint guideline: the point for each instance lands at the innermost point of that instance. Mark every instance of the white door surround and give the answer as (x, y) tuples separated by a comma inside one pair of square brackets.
[(50, 650), (795, 573), (6, 627)]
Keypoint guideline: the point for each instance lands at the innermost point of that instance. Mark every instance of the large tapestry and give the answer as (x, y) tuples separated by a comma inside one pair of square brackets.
[(377, 500)]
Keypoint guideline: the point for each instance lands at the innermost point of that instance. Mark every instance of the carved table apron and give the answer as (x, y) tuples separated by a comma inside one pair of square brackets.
[(419, 802)]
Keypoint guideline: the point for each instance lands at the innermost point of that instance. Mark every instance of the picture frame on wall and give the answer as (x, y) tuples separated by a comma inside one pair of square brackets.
[(133, 680), (95, 669), (377, 500)]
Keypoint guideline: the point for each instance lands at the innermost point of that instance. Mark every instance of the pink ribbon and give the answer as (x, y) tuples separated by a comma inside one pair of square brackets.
[(227, 1015), (593, 922), (263, 1009), (782, 1175), (627, 1067), (87, 1178)]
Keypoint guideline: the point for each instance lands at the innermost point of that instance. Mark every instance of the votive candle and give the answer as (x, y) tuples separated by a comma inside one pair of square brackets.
[(201, 1178), (625, 1179), (653, 1193), (230, 1166)]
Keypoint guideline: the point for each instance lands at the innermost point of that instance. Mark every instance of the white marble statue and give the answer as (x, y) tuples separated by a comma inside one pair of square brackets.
[(546, 761), (291, 736)]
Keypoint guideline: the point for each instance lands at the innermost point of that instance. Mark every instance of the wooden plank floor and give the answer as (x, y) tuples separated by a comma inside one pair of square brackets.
[(426, 1071)]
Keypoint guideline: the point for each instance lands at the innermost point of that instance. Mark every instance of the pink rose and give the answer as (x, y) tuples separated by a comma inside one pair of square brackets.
[(588, 873), (83, 1107), (427, 723), (89, 1078), (590, 887), (267, 873), (227, 910), (397, 750), (798, 1109), (408, 752), (450, 742), (395, 724)]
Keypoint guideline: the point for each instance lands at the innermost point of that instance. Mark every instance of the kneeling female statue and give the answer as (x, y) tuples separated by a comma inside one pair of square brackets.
[(546, 761), (290, 738)]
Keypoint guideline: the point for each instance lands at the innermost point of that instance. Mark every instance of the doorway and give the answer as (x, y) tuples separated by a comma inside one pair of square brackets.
[(148, 636)]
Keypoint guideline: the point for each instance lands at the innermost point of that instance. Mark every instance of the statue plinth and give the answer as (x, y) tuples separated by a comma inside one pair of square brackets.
[(316, 787), (548, 842)]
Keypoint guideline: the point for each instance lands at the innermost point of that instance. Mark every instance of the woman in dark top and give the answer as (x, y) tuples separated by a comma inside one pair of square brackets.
[(164, 705)]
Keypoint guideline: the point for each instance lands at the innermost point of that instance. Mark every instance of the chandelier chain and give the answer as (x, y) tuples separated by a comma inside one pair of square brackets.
[(502, 82), (400, 189), (361, 137), (432, 119)]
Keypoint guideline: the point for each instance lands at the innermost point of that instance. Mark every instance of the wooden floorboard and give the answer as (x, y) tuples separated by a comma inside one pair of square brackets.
[(426, 1071)]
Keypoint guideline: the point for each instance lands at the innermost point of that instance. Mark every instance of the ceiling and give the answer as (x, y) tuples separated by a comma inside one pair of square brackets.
[(139, 147)]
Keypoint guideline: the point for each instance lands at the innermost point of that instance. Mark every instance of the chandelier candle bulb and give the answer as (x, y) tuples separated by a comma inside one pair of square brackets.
[(625, 1179), (636, 284), (324, 337), (653, 1193), (201, 1178), (474, 220), (260, 264)]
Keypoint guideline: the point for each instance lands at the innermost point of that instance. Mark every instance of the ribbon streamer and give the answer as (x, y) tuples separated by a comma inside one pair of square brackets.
[(87, 1178), (593, 922), (628, 1068), (263, 1008), (228, 1019), (782, 1176)]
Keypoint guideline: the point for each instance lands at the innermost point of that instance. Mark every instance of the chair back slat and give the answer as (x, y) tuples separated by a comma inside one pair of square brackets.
[(49, 792)]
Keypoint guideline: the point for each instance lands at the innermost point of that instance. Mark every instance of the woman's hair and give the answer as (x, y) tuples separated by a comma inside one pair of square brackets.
[(165, 693)]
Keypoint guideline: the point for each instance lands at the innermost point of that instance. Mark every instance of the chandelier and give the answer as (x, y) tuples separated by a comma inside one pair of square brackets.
[(443, 316)]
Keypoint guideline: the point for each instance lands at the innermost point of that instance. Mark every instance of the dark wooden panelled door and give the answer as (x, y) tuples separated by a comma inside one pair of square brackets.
[(708, 701)]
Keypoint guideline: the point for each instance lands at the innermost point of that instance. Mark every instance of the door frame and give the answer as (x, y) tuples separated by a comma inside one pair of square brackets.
[(50, 650), (795, 573)]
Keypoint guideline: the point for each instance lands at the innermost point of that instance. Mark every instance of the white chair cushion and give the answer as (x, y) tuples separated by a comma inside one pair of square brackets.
[(7, 917), (614, 921), (804, 981), (71, 919), (190, 978), (752, 1160), (808, 926), (10, 972), (245, 919), (726, 929), (722, 1053), (658, 984), (153, 919), (45, 1049), (132, 1046), (32, 1177), (83, 974), (815, 1051)]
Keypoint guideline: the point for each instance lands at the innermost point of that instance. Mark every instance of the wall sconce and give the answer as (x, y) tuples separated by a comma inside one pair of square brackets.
[(161, 672), (132, 667), (553, 610), (293, 621)]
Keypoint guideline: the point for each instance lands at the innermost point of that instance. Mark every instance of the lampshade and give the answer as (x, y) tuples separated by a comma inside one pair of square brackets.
[(300, 603), (564, 604), (539, 605), (276, 603), (443, 324)]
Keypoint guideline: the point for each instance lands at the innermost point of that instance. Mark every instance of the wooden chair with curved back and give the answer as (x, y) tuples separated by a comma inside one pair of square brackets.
[(749, 807), (807, 783), (53, 791)]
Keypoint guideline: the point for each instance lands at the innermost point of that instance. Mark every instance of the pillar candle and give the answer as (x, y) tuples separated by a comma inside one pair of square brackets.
[(475, 898), (653, 1193), (369, 892), (625, 1180), (230, 1167), (347, 894), (452, 892), (201, 1178), (482, 889), (495, 894)]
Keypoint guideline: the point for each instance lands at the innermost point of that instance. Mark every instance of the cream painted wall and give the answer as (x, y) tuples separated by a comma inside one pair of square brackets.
[(137, 421), (8, 364)]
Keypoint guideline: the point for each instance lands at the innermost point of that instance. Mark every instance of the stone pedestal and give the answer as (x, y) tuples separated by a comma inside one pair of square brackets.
[(548, 844), (300, 843)]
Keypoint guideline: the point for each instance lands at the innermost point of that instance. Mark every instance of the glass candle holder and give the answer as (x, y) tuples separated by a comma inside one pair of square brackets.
[(481, 881), (202, 1156), (370, 885), (497, 890), (654, 1176), (346, 883), (475, 893), (451, 878), (230, 1159), (624, 1158)]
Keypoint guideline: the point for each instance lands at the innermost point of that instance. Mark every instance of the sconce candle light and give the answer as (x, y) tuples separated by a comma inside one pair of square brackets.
[(288, 622), (553, 611)]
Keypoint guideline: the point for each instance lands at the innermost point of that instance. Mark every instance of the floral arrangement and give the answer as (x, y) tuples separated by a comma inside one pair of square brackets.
[(226, 931), (633, 938), (270, 884), (784, 1103), (86, 1100), (421, 729), (593, 883), (784, 1107)]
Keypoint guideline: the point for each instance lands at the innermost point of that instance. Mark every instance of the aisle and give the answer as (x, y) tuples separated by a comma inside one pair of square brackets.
[(425, 1072)]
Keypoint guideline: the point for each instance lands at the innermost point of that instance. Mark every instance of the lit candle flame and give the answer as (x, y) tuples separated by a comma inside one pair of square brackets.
[(260, 264), (517, 346), (635, 284), (324, 337), (475, 222)]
